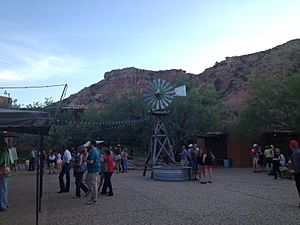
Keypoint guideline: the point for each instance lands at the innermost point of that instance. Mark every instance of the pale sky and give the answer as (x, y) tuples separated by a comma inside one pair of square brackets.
[(75, 42)]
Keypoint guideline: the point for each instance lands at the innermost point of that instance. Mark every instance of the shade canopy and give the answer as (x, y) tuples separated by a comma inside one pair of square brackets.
[(23, 121)]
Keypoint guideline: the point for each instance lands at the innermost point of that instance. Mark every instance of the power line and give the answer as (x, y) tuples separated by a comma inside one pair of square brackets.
[(32, 87)]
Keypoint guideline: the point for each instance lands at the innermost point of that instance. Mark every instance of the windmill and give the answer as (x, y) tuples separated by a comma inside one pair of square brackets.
[(158, 95)]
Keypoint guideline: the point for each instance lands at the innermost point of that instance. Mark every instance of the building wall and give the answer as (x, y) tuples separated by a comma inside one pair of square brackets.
[(238, 149), (5, 102)]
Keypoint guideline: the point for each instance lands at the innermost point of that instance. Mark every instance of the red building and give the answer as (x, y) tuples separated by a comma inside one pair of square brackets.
[(229, 146)]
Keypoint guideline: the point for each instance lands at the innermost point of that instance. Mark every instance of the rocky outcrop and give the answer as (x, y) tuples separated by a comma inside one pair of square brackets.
[(119, 81), (230, 77)]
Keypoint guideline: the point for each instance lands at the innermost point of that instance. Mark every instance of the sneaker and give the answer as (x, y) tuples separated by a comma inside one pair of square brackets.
[(3, 209), (209, 181), (93, 202), (90, 200), (103, 193), (87, 194), (203, 182), (110, 194)]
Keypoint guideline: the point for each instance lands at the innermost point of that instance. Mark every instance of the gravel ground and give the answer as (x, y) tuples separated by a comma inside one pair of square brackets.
[(236, 196)]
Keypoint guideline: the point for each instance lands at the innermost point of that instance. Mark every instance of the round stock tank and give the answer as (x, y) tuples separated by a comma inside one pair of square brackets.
[(171, 173)]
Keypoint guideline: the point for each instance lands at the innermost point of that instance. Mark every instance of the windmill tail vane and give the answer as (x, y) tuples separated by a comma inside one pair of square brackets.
[(180, 91)]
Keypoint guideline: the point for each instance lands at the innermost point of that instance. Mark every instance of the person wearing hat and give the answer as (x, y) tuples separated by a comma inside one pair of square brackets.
[(295, 160), (254, 157)]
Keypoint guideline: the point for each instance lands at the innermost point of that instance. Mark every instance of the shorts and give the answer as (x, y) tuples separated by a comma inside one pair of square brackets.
[(194, 166), (183, 162), (207, 167), (269, 160), (254, 160), (92, 179)]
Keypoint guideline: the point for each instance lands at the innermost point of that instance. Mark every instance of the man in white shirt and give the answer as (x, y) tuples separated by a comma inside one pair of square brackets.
[(65, 171)]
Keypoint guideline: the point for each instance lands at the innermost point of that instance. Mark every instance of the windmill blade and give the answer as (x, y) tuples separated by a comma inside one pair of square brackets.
[(157, 105), (164, 85), (180, 91), (158, 94), (165, 103)]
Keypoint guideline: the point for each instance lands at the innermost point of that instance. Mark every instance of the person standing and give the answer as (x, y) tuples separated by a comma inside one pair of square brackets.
[(58, 161), (276, 155), (65, 171), (254, 157), (125, 160), (51, 159), (201, 167), (93, 168), (184, 156), (103, 168), (194, 161), (208, 157), (118, 158), (32, 159), (108, 174), (4, 176), (79, 169), (295, 160), (268, 157)]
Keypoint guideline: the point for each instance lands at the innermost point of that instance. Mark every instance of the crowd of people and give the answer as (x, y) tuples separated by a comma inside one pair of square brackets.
[(201, 161), (268, 159), (93, 166), (272, 160), (93, 169)]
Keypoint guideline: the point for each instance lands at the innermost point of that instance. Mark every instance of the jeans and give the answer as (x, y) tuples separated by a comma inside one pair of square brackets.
[(297, 179), (31, 164), (107, 183), (64, 171), (125, 165), (79, 184), (276, 168), (3, 192)]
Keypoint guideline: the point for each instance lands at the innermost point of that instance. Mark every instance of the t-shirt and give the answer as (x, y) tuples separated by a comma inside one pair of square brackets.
[(93, 155), (253, 153), (296, 161), (4, 159), (110, 163), (51, 158), (125, 155), (194, 155), (184, 155), (67, 157), (268, 153)]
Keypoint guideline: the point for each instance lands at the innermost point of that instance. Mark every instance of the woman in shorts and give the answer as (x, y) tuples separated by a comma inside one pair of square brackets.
[(208, 158)]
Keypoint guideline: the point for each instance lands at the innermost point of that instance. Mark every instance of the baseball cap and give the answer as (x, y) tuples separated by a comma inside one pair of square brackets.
[(254, 145), (190, 145), (293, 143)]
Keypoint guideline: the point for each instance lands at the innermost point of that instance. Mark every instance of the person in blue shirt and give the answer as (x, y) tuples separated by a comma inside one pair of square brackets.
[(93, 168)]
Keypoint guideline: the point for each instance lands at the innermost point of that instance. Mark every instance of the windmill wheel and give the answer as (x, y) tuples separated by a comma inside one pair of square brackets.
[(159, 94)]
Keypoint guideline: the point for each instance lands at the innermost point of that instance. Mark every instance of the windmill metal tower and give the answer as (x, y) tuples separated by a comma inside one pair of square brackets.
[(158, 96)]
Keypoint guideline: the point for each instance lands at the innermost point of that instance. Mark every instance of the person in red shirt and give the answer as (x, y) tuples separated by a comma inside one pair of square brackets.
[(107, 174)]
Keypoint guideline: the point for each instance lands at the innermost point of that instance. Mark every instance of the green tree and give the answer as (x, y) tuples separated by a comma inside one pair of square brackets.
[(200, 111), (128, 107), (273, 102)]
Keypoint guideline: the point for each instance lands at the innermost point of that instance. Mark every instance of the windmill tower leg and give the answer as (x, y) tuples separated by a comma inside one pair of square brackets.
[(159, 144)]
